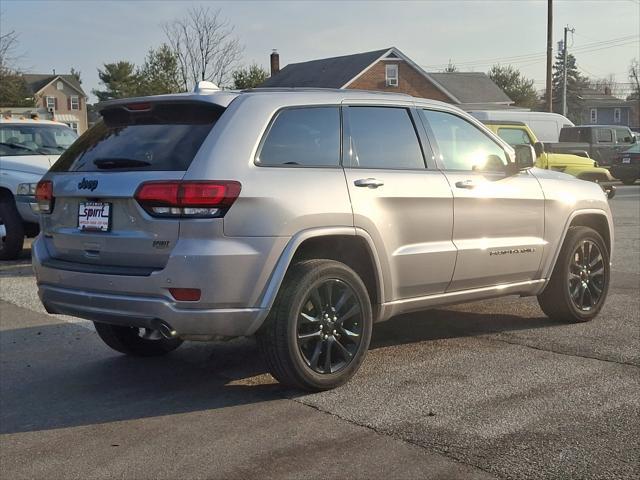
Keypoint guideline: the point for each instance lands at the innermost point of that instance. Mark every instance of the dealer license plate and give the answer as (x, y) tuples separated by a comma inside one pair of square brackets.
[(94, 216)]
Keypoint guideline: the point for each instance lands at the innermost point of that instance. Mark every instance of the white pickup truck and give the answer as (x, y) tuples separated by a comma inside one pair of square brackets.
[(27, 149)]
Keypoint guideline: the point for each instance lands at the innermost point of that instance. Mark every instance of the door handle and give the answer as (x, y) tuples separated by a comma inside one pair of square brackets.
[(465, 184), (368, 182)]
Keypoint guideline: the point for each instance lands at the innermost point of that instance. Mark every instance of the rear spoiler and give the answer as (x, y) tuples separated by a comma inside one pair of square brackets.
[(221, 98)]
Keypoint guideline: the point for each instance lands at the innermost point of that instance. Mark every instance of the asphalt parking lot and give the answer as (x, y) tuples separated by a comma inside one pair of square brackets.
[(490, 389)]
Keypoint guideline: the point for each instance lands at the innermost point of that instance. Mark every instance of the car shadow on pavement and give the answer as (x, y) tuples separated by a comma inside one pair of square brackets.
[(61, 375), (443, 323)]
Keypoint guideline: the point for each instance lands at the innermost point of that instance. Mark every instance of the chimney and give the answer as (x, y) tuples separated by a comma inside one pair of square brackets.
[(607, 90), (275, 62)]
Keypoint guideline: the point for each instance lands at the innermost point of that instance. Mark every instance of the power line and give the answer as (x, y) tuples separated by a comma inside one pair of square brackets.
[(530, 57)]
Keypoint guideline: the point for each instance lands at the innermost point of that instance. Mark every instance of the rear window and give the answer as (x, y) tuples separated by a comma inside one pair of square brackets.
[(575, 135), (161, 137)]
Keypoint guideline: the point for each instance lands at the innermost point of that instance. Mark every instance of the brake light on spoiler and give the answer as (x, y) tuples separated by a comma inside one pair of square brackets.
[(188, 199)]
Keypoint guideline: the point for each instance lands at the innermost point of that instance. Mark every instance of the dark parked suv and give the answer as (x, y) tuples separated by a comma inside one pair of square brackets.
[(304, 216)]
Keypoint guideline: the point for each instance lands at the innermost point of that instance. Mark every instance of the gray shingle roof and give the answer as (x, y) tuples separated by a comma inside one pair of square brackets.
[(36, 81), (325, 73), (471, 87)]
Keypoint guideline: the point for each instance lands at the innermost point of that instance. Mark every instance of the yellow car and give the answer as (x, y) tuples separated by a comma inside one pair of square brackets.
[(518, 133)]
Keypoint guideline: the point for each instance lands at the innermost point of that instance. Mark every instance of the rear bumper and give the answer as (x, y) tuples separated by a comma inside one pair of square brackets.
[(148, 312), (625, 171), (232, 274)]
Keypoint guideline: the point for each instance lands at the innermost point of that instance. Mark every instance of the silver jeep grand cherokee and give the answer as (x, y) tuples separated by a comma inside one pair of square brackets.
[(305, 216)]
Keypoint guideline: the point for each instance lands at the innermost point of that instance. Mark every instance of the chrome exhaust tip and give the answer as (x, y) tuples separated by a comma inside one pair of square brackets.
[(166, 331)]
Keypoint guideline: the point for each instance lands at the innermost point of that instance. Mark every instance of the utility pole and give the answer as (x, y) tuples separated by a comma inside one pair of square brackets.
[(549, 97), (564, 73)]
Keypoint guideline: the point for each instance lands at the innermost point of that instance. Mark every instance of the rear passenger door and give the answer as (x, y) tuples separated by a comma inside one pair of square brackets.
[(405, 207), (499, 217)]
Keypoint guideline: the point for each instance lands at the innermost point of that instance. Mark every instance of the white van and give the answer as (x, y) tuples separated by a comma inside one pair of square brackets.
[(545, 125)]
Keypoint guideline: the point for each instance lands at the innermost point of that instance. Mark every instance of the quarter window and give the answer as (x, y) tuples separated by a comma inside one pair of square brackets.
[(383, 137), (462, 145), (307, 137)]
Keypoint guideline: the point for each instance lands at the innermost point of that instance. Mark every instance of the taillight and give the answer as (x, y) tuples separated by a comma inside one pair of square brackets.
[(44, 196), (188, 198)]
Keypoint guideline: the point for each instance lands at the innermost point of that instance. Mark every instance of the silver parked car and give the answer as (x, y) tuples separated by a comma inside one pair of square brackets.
[(305, 216)]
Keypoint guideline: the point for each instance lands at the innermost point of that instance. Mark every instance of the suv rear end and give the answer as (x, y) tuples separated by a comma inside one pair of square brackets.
[(127, 238)]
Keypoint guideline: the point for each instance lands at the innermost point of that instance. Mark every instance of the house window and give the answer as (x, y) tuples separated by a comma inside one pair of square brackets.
[(75, 103), (594, 115), (73, 126), (616, 115), (391, 75), (51, 103)]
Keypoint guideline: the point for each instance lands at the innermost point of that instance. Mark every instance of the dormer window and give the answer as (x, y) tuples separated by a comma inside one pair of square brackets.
[(391, 75)]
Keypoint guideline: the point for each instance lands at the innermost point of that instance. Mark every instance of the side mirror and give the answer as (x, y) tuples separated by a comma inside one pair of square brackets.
[(525, 156), (634, 139), (539, 148)]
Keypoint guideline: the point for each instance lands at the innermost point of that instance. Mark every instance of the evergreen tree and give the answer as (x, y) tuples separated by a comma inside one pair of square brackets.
[(120, 80), (517, 87), (249, 77), (575, 83), (159, 74)]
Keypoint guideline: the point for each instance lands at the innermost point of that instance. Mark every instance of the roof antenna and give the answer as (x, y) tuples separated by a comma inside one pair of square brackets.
[(206, 87), (54, 71)]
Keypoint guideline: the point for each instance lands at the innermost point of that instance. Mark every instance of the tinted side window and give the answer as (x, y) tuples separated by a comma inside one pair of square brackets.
[(604, 135), (383, 137), (307, 137), (462, 145), (514, 136)]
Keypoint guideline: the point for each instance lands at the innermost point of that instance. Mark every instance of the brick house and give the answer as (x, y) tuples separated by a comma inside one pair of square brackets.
[(60, 98), (390, 70)]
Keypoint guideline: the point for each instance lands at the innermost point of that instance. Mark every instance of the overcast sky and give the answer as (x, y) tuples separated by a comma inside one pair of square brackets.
[(474, 34)]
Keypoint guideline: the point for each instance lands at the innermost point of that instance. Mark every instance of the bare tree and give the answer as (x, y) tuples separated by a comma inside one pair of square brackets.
[(205, 46), (606, 84), (634, 77), (8, 46)]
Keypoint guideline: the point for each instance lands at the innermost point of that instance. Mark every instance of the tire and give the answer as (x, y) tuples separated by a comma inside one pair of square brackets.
[(12, 242), (290, 336), (127, 340), (628, 181), (567, 288)]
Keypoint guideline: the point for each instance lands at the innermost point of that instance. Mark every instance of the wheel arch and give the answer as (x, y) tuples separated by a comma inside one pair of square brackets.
[(349, 245), (592, 218), (5, 193)]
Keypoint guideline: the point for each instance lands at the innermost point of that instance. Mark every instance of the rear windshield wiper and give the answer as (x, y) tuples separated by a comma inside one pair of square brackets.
[(106, 163)]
